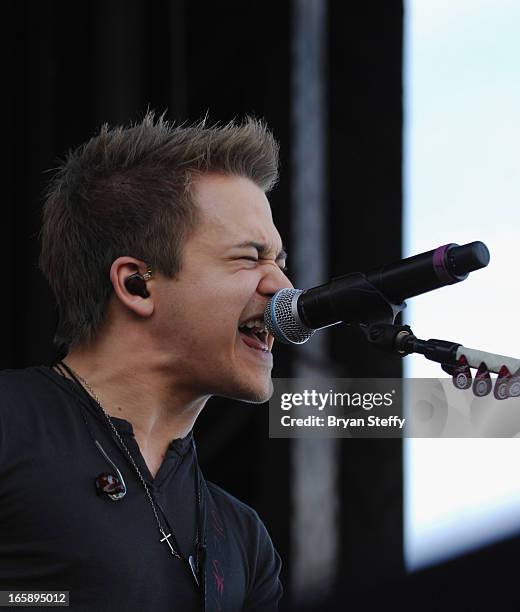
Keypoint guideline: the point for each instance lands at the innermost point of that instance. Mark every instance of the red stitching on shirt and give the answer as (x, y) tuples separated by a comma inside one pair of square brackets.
[(219, 576)]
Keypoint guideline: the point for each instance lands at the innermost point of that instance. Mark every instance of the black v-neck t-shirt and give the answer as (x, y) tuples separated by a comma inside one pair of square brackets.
[(57, 533)]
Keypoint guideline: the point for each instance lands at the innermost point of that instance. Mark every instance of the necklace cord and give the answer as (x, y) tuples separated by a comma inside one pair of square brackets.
[(92, 397)]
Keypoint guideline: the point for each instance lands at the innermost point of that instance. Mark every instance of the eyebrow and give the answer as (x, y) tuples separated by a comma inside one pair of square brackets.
[(262, 249)]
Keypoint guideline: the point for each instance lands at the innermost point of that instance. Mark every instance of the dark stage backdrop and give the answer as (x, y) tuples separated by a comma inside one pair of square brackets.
[(73, 66)]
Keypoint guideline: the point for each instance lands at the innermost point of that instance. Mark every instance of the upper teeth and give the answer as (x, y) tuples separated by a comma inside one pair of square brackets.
[(255, 323)]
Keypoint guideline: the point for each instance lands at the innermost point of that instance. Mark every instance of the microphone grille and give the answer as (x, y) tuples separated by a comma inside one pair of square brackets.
[(282, 319)]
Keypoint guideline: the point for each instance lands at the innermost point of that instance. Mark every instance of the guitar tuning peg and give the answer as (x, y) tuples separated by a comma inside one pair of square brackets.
[(482, 384), (500, 390), (461, 373), (513, 385)]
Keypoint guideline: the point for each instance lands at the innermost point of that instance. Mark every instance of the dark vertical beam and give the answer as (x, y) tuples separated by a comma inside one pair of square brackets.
[(31, 149), (365, 124), (118, 61), (313, 525), (10, 29), (178, 61)]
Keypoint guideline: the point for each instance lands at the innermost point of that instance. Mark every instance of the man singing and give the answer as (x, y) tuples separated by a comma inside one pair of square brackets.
[(159, 245)]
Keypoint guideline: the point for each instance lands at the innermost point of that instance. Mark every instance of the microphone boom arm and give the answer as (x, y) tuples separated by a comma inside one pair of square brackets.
[(401, 339)]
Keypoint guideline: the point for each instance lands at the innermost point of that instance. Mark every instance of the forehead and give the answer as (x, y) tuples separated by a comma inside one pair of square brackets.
[(233, 210)]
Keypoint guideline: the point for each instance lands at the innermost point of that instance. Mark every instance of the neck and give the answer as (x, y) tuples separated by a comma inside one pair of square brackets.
[(157, 405)]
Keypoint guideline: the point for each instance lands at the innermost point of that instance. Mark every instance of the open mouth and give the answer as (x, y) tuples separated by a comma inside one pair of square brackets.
[(254, 334)]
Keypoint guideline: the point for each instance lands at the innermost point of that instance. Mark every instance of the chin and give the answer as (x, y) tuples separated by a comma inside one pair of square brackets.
[(254, 392), (259, 396)]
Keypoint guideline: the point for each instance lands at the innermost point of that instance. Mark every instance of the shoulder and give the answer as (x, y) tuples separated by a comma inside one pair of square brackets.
[(231, 505), (243, 519), (28, 398), (21, 390), (264, 564), (23, 382)]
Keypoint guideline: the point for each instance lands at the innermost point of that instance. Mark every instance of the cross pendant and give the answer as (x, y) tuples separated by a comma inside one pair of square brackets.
[(165, 539)]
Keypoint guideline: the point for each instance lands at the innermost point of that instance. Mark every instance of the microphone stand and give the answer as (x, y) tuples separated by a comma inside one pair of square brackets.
[(401, 339), (381, 331)]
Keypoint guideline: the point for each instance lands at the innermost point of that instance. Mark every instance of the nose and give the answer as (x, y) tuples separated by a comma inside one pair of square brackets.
[(273, 280)]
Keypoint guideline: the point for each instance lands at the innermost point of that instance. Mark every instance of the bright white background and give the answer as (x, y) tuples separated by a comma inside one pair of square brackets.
[(462, 183)]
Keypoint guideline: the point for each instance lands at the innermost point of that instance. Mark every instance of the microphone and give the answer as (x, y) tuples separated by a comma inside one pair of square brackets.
[(293, 315)]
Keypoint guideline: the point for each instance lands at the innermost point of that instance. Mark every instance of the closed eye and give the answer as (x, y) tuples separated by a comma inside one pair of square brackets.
[(284, 269)]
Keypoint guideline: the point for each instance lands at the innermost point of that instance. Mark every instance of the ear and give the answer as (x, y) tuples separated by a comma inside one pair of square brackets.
[(121, 269)]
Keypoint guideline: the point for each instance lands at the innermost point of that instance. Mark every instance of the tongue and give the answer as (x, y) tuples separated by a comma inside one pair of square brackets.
[(252, 340)]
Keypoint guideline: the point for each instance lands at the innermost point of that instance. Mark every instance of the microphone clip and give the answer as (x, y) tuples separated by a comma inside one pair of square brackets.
[(388, 337)]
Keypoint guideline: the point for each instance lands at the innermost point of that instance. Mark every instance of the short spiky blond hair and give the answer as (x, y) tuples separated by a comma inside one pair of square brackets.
[(127, 191)]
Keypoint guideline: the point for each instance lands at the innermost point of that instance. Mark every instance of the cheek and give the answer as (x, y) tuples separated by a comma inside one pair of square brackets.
[(208, 320), (208, 310)]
